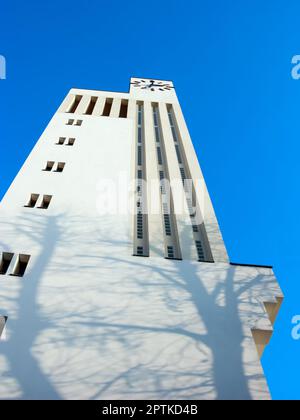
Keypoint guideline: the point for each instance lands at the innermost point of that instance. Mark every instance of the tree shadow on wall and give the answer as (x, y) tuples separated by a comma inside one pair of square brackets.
[(226, 376)]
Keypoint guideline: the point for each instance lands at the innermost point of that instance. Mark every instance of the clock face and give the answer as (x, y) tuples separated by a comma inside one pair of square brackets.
[(152, 85)]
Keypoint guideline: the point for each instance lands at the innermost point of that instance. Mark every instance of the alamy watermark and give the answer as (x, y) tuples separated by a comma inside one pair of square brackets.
[(296, 69), (2, 67), (296, 328)]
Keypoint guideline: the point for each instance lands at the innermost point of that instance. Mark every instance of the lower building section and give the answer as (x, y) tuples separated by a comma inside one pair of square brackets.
[(113, 326)]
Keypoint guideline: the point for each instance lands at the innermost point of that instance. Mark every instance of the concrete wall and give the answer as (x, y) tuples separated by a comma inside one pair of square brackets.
[(90, 321)]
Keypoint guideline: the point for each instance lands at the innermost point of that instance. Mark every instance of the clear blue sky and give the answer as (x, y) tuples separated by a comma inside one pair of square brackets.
[(231, 63)]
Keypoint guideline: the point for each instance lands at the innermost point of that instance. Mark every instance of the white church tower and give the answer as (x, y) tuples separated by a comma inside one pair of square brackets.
[(114, 278)]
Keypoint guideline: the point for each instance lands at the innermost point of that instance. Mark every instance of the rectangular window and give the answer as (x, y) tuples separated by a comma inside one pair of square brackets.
[(70, 122), (91, 106), (21, 265), (178, 153), (139, 155), (139, 250), (6, 259), (107, 107), (159, 157), (139, 134), (32, 201), (139, 225), (200, 251), (167, 224), (46, 201), (71, 141), (49, 166), (78, 122), (61, 140), (182, 173), (170, 251), (195, 228), (75, 104), (3, 321), (123, 109), (60, 167)]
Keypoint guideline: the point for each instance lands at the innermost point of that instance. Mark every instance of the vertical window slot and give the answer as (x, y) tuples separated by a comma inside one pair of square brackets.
[(91, 106), (139, 155), (61, 140), (32, 201), (71, 141), (5, 261), (75, 104), (123, 109), (21, 265), (46, 201), (60, 167), (159, 156), (49, 166), (107, 107), (3, 321), (139, 250)]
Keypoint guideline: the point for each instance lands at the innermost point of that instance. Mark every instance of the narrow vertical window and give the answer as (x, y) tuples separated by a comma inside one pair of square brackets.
[(49, 166), (140, 251), (71, 141), (75, 104), (32, 201), (107, 107), (172, 248), (5, 261), (141, 241), (45, 202), (123, 109), (3, 321), (91, 105), (61, 140), (199, 232), (60, 167), (21, 265)]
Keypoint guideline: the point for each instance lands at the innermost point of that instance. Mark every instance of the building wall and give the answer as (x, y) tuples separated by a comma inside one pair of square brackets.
[(89, 320)]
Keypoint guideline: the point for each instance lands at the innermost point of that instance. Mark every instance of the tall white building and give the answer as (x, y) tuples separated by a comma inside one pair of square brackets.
[(114, 286)]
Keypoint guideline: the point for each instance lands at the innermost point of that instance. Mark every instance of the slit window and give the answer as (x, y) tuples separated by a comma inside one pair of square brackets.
[(21, 265), (178, 153), (71, 141), (61, 140), (6, 259), (91, 106), (49, 166), (170, 251), (159, 157), (60, 167), (200, 251), (139, 155), (75, 104), (3, 320), (123, 109), (107, 107), (139, 226), (32, 201), (167, 224), (139, 250), (45, 202)]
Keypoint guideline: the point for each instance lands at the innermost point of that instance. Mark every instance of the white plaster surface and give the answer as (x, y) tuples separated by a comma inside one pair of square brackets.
[(90, 321)]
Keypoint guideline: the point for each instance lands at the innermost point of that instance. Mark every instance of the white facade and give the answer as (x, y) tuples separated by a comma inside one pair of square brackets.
[(112, 305)]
